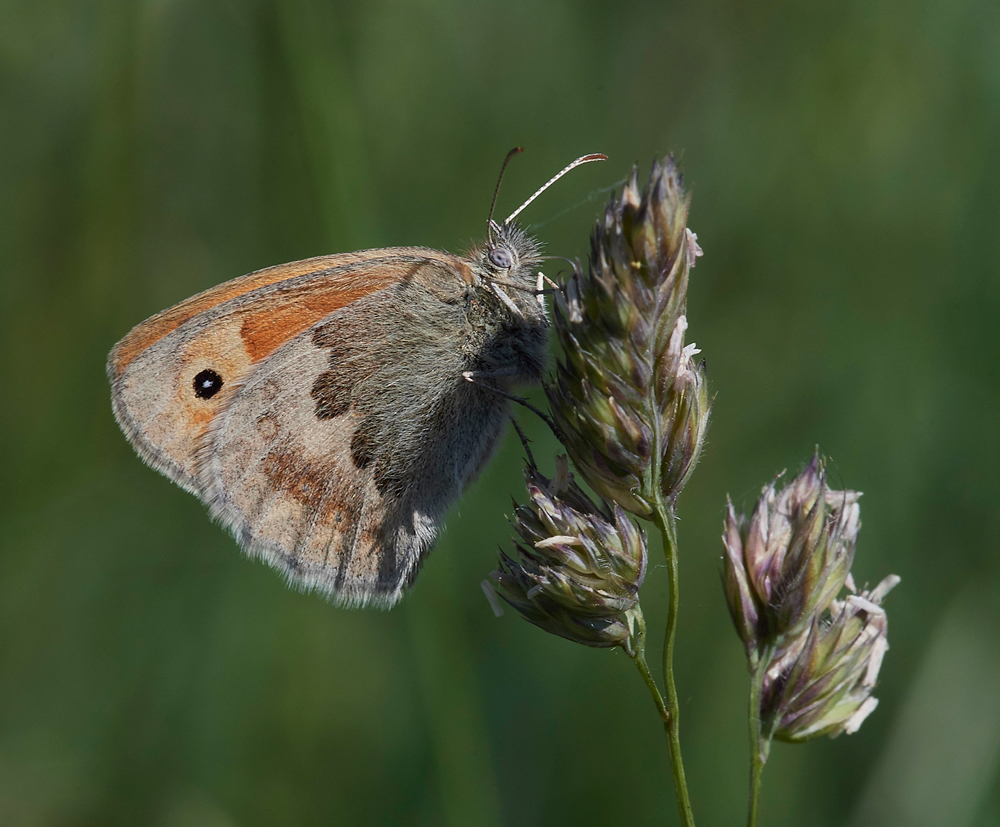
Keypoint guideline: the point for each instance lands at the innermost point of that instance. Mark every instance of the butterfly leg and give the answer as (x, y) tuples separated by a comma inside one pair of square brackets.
[(477, 377), (524, 442)]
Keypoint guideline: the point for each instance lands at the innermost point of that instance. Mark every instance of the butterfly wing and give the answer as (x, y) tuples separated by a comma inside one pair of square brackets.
[(328, 447)]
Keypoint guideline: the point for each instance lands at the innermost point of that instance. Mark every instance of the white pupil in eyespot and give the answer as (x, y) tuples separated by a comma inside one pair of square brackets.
[(499, 257)]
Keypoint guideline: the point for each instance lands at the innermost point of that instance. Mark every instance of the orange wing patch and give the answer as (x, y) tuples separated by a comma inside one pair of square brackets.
[(265, 330), (274, 319)]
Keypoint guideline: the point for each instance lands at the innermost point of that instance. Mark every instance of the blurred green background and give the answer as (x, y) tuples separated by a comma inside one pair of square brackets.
[(845, 167)]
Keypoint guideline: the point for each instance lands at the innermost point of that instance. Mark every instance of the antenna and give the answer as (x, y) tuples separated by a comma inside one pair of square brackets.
[(490, 223), (583, 159)]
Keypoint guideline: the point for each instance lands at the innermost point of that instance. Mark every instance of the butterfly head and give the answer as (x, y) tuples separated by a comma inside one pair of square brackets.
[(508, 262), (507, 267)]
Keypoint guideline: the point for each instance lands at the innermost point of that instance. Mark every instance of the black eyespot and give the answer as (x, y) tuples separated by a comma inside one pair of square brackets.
[(207, 384), (499, 257)]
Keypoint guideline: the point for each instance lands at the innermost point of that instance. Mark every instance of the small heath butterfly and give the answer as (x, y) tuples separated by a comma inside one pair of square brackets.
[(329, 411)]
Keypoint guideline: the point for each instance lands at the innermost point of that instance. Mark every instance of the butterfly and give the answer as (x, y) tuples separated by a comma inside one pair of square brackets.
[(329, 411)]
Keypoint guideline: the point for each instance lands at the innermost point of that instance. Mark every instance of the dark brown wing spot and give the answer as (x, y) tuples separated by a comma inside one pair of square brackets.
[(332, 335), (363, 444), (332, 392), (332, 389), (389, 481)]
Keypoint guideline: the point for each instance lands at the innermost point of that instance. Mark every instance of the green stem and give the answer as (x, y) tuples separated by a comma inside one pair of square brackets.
[(756, 766), (760, 744), (666, 521), (638, 654)]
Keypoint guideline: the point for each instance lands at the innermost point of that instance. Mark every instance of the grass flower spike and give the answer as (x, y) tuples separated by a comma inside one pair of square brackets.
[(814, 657), (785, 563), (823, 684), (629, 399), (630, 404), (578, 569)]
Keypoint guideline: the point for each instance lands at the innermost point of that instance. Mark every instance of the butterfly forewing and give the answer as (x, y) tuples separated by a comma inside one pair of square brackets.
[(218, 336)]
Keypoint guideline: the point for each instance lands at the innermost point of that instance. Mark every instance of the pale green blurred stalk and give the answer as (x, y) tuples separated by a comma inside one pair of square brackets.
[(667, 522)]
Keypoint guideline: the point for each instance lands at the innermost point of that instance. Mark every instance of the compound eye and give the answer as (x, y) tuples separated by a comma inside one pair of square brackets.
[(500, 258)]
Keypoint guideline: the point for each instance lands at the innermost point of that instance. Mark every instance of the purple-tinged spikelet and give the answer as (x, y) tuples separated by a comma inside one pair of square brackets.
[(814, 656), (629, 399), (578, 569), (821, 682), (785, 563)]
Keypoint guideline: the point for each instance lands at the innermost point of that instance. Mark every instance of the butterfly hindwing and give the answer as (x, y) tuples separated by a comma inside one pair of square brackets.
[(337, 458)]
